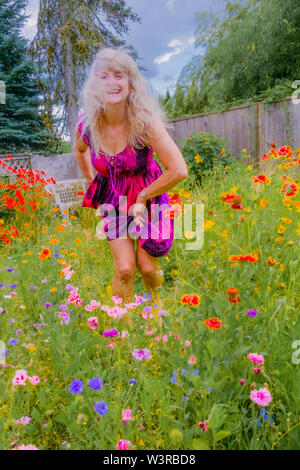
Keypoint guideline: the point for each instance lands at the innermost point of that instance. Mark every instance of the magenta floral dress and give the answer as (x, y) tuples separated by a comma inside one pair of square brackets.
[(115, 188)]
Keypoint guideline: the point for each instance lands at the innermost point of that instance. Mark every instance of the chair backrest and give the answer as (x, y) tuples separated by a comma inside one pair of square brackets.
[(66, 192)]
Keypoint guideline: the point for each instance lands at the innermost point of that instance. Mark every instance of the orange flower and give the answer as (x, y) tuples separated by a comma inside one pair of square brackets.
[(232, 291), (60, 227), (249, 258), (213, 323), (45, 253), (263, 203), (271, 261), (223, 151)]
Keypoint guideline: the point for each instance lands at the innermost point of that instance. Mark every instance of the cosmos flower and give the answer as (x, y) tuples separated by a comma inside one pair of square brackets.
[(20, 377), (27, 447), (93, 323), (110, 333)]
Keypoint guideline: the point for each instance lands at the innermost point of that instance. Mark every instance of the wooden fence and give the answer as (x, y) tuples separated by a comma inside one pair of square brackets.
[(251, 126)]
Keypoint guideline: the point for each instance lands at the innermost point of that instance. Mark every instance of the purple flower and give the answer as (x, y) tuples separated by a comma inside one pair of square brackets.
[(9, 270), (12, 342), (13, 286), (47, 304), (76, 386), (110, 333), (63, 307), (252, 312), (132, 382), (100, 407), (18, 332), (95, 383), (140, 354)]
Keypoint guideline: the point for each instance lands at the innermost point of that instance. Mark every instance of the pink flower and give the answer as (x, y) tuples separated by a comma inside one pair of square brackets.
[(187, 343), (140, 354), (165, 338), (192, 360), (93, 323), (123, 445), (117, 312), (124, 334), (110, 333), (256, 358), (88, 308), (95, 304), (203, 425), (242, 381), (126, 416), (34, 379), (20, 377), (28, 447), (257, 369), (117, 300), (157, 338), (261, 397), (24, 420), (111, 344)]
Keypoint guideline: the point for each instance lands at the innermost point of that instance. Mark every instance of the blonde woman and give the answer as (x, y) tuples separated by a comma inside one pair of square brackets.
[(123, 124)]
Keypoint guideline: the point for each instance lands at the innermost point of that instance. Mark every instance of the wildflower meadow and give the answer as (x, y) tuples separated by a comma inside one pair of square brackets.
[(221, 371)]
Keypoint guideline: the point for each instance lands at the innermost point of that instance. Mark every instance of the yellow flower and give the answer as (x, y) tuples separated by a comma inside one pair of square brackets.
[(53, 289), (30, 253), (213, 245), (208, 224), (31, 348), (281, 285), (174, 272), (73, 254), (77, 240), (249, 167), (196, 263), (224, 233), (187, 194), (109, 290), (24, 261), (198, 158), (167, 259), (281, 229), (279, 239), (233, 190), (226, 167), (234, 265)]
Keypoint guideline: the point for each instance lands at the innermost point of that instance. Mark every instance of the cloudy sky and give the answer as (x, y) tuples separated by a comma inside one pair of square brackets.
[(164, 39)]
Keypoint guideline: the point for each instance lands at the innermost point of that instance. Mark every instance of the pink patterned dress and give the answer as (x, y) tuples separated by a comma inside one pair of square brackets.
[(115, 188)]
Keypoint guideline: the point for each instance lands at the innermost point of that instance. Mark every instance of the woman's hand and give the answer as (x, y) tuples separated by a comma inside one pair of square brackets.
[(140, 212)]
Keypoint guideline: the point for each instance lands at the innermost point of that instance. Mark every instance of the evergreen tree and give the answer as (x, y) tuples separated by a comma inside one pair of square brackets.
[(69, 34), (21, 127)]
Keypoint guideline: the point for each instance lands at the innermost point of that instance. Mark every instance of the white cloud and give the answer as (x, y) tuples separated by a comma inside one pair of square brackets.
[(178, 45)]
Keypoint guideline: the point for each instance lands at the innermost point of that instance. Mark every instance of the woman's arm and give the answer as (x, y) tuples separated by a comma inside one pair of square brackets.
[(171, 158), (83, 157)]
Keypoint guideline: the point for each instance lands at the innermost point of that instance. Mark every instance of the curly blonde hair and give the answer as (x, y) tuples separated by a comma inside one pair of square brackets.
[(140, 104)]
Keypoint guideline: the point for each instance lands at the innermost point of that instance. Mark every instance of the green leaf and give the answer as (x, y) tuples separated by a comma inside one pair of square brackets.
[(217, 416), (221, 435), (200, 444)]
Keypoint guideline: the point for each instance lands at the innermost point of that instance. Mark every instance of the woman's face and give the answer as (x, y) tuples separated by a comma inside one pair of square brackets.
[(114, 83)]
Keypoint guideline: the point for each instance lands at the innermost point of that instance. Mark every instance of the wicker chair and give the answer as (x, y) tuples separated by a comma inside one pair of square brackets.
[(65, 193)]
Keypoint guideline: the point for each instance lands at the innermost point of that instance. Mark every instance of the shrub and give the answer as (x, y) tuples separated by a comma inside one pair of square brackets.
[(204, 152)]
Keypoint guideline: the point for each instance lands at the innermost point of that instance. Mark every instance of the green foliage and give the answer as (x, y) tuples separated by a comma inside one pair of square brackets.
[(21, 125), (204, 152), (250, 52)]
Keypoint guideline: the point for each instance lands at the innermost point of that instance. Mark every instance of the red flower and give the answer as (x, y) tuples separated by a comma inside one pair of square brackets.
[(213, 323), (237, 206)]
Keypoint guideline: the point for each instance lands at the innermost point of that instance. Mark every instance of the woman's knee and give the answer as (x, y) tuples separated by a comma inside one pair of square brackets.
[(125, 271)]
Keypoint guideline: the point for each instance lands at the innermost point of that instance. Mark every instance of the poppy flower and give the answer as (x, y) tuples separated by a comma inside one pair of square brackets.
[(45, 253)]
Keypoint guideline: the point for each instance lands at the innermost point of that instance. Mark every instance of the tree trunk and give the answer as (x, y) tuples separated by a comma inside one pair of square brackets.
[(71, 104)]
